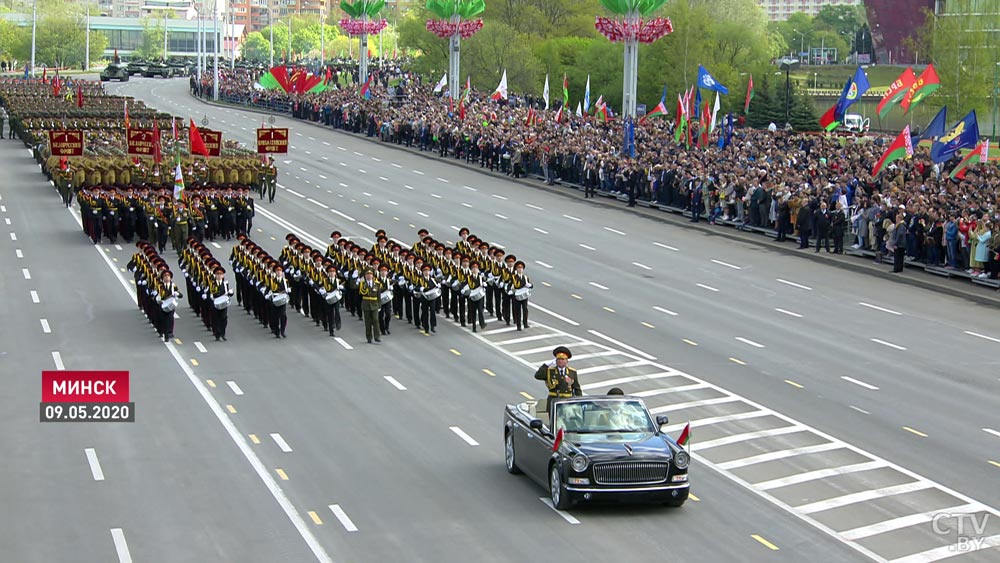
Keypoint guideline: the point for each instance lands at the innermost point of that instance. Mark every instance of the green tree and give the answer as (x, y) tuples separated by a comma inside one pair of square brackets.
[(840, 19), (60, 40), (256, 47), (151, 47)]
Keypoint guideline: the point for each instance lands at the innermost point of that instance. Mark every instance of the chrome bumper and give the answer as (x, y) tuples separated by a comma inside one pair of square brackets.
[(650, 489)]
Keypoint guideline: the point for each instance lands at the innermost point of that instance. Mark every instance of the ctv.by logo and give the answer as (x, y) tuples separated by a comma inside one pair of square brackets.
[(970, 529)]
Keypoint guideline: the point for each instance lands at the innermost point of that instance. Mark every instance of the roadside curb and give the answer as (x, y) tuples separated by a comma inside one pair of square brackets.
[(920, 279)]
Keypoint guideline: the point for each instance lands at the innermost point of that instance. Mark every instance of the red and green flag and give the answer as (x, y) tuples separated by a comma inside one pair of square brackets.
[(902, 147), (746, 103), (978, 155), (660, 109), (897, 91), (565, 91), (301, 81), (924, 86), (685, 436)]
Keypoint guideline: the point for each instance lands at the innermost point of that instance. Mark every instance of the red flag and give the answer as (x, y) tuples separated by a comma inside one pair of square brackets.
[(558, 442), (828, 121), (195, 140), (45, 73), (79, 96), (685, 435), (56, 85), (156, 142), (902, 147), (746, 102), (126, 115)]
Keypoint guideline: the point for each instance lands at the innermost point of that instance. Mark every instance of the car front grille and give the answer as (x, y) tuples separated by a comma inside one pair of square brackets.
[(630, 472)]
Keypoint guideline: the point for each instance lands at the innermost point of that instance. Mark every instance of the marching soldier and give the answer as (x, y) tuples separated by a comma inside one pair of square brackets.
[(332, 293), (278, 295), (560, 379), (181, 227), (476, 285), (370, 289), (426, 287), (507, 279), (385, 308), (219, 289), (167, 292), (519, 281)]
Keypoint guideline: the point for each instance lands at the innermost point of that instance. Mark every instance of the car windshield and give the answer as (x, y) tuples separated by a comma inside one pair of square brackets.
[(604, 416)]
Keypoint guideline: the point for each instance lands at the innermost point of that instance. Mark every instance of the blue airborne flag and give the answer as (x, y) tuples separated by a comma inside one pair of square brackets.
[(965, 134), (628, 147), (936, 127), (853, 91), (706, 81)]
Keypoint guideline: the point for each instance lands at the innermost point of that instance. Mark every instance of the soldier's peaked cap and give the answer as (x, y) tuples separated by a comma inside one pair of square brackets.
[(562, 352)]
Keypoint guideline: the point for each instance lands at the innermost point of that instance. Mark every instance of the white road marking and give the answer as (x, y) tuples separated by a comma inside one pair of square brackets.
[(877, 308), (383, 178), (442, 180), (57, 360), (281, 443), (344, 215), (470, 188), (362, 171), (26, 273), (34, 296), (889, 344), (6, 220), (118, 536), (667, 246), (615, 231), (95, 464), (394, 165), (461, 434), (863, 496), (793, 284), (750, 342), (862, 411), (780, 454), (345, 521), (366, 226), (436, 196), (419, 173), (665, 311), (469, 205), (499, 216), (726, 264), (991, 431), (533, 207), (544, 232), (905, 522), (18, 253), (216, 245), (587, 247), (317, 203), (326, 143), (341, 148), (392, 381), (622, 344), (302, 169), (407, 186), (565, 515), (357, 153), (708, 287), (200, 347), (630, 379), (45, 326), (390, 202), (571, 218), (747, 436), (499, 197), (343, 343), (643, 266), (797, 478), (983, 336), (3, 209), (294, 193), (236, 388), (566, 320), (947, 551), (312, 138), (118, 247), (543, 264), (13, 236), (858, 382), (598, 286), (422, 214), (789, 313), (322, 177)]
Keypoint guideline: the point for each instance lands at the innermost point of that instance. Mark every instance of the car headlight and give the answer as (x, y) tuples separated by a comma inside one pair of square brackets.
[(580, 463), (682, 459)]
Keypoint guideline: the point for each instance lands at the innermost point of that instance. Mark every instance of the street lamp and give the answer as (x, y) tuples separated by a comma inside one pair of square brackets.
[(788, 65), (996, 77), (815, 80), (802, 45)]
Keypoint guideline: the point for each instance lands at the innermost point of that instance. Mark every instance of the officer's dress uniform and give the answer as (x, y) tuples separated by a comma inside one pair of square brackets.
[(370, 292), (561, 383)]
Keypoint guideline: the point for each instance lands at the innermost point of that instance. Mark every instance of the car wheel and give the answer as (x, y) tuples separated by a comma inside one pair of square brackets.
[(557, 490), (508, 452)]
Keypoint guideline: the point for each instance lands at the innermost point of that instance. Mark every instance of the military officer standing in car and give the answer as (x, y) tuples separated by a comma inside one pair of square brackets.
[(560, 379)]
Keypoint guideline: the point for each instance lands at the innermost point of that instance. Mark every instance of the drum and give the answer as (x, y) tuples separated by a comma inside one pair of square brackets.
[(385, 297), (478, 293), (221, 302), (522, 294), (279, 299), (334, 296), (456, 284), (432, 294), (169, 304), (465, 290)]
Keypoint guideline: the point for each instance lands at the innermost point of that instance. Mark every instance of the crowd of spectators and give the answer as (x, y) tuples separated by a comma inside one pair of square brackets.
[(816, 187)]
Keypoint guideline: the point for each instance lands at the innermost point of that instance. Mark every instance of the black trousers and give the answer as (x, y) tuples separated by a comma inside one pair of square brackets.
[(384, 316), (220, 320), (428, 314), (279, 319), (476, 314), (897, 259), (520, 312)]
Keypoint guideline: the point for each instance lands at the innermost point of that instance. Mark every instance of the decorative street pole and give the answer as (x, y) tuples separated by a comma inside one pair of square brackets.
[(270, 21), (361, 22), (456, 23), (631, 28), (215, 43), (34, 22), (86, 56)]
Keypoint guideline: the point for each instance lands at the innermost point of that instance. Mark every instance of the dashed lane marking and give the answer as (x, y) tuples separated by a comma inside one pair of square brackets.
[(34, 296), (647, 325), (26, 273), (345, 521), (749, 342), (983, 336), (254, 439), (599, 286), (543, 231), (282, 444), (45, 326), (726, 264), (615, 231), (793, 284), (587, 247), (708, 287), (667, 246), (236, 388), (533, 207), (315, 517), (889, 344), (991, 431), (737, 361), (200, 347), (565, 515), (527, 396), (859, 383), (764, 542), (689, 342), (470, 188), (877, 308), (281, 474), (465, 437), (665, 311), (571, 218), (121, 547), (789, 313), (231, 409), (499, 216), (640, 265), (392, 381), (498, 196), (916, 432), (794, 384), (543, 264), (95, 464), (210, 383), (57, 360)]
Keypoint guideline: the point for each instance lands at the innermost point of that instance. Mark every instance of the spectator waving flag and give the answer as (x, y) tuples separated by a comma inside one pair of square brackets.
[(501, 92), (897, 90), (366, 88), (586, 97), (659, 110), (935, 128), (902, 147), (854, 88), (545, 91), (441, 83), (706, 81), (924, 86), (979, 155), (746, 103), (565, 92)]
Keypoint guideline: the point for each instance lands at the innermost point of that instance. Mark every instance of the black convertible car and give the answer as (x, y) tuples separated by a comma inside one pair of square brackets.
[(611, 449)]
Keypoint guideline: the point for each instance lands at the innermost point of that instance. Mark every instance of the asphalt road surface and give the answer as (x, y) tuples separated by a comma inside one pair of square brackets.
[(835, 417)]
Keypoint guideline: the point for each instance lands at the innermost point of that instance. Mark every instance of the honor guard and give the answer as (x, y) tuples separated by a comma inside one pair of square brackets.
[(429, 292), (220, 294), (521, 286), (476, 287), (278, 297), (370, 290), (332, 293), (560, 379)]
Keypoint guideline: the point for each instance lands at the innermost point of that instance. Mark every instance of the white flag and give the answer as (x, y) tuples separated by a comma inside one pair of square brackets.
[(586, 97), (545, 91), (441, 83), (715, 112), (501, 91), (579, 110)]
